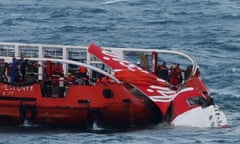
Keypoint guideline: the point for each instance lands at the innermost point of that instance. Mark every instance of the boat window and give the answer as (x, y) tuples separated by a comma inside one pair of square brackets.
[(108, 93)]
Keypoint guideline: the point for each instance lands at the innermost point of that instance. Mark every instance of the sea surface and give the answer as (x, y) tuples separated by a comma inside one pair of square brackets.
[(209, 30)]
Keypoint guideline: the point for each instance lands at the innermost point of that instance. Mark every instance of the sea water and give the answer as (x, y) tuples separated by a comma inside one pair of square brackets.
[(209, 30)]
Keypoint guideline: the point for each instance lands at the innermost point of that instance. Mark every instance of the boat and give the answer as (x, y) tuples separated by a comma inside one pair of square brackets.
[(81, 86)]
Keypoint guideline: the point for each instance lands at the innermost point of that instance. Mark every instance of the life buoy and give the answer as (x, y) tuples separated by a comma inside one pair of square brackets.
[(27, 112)]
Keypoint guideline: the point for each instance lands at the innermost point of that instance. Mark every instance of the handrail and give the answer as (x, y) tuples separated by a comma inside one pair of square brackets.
[(191, 59), (119, 51), (74, 63)]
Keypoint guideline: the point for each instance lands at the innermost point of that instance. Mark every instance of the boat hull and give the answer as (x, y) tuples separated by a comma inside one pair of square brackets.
[(110, 106)]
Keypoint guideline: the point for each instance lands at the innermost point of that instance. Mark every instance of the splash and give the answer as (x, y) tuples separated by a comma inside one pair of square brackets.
[(27, 123), (96, 127)]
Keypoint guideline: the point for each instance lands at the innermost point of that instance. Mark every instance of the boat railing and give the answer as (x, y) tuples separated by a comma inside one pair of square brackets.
[(69, 62), (66, 53)]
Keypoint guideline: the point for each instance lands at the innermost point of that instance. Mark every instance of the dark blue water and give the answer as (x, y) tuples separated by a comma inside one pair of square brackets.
[(209, 30)]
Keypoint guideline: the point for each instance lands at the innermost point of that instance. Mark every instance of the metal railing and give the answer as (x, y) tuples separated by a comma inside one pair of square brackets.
[(76, 53)]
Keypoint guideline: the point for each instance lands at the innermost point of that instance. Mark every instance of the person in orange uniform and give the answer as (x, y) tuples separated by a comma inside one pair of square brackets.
[(83, 74), (58, 69)]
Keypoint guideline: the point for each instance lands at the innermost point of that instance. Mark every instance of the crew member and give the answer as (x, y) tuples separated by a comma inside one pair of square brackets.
[(83, 75), (23, 67), (48, 86), (3, 76), (58, 69), (14, 70), (163, 71), (179, 73), (187, 72), (174, 77)]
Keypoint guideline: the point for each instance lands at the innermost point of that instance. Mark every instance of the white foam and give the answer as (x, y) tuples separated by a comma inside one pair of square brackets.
[(113, 1)]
